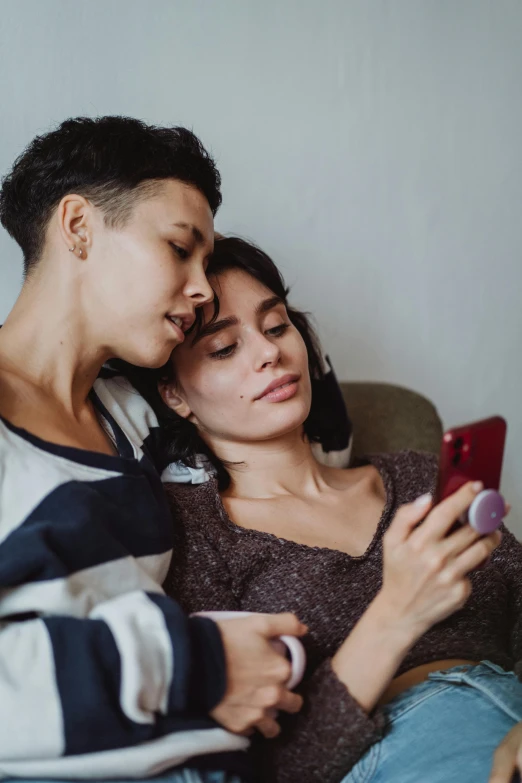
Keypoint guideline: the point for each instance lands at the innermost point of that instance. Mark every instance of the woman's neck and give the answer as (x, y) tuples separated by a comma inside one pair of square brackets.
[(267, 469), (45, 346)]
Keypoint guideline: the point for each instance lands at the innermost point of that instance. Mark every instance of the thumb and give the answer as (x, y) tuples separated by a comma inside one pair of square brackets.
[(408, 517), (271, 625)]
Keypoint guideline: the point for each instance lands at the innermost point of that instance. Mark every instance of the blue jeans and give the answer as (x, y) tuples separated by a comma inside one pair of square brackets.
[(444, 730), (174, 776)]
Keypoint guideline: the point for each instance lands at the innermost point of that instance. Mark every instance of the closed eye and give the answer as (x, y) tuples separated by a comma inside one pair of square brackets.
[(180, 251), (278, 331), (222, 353)]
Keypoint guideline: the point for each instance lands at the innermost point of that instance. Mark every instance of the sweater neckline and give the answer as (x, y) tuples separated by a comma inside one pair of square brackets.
[(378, 461)]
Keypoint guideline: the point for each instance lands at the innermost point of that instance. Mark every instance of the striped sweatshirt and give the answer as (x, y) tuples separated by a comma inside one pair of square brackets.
[(101, 674)]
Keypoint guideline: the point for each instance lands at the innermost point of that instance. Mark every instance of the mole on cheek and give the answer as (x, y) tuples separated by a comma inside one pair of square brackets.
[(240, 396)]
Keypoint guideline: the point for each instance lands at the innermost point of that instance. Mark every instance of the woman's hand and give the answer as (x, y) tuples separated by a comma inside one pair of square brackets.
[(424, 581), (426, 566), (256, 673), (508, 757)]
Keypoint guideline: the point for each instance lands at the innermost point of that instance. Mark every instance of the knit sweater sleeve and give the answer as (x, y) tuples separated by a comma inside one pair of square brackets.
[(325, 739), (198, 575)]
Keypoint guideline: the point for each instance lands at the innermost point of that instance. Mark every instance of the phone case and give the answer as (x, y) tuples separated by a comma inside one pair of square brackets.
[(472, 452)]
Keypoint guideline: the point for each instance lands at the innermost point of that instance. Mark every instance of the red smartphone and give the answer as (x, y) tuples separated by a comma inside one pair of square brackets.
[(474, 452)]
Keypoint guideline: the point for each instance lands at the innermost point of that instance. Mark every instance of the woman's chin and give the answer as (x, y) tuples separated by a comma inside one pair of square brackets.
[(150, 357), (284, 422)]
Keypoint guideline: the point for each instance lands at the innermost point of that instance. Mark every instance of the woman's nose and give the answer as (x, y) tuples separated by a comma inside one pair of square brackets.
[(268, 352), (198, 288)]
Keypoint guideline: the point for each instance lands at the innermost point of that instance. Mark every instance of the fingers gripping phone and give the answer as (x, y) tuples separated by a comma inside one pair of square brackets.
[(474, 452)]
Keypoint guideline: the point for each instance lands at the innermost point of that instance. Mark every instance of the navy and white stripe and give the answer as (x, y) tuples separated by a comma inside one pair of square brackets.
[(97, 674)]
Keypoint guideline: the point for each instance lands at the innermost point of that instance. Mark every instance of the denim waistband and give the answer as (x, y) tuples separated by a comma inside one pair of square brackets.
[(443, 679)]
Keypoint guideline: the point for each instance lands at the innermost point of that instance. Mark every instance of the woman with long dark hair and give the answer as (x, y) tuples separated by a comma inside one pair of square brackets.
[(411, 649)]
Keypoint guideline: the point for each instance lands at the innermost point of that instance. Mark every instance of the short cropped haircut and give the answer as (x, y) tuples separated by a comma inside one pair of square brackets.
[(112, 161)]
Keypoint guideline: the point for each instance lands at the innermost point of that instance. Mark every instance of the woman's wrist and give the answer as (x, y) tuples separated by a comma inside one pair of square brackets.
[(380, 625), (369, 658), (397, 627)]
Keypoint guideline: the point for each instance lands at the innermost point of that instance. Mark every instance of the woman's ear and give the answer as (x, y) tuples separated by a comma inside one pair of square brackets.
[(75, 217), (173, 400)]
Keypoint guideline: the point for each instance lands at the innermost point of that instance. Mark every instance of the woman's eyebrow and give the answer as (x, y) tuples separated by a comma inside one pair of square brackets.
[(196, 233), (213, 328), (224, 323), (268, 304)]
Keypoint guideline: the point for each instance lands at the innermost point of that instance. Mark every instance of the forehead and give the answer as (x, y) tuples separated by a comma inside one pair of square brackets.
[(238, 292)]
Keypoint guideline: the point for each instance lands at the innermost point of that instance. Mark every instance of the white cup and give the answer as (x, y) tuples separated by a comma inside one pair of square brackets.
[(288, 646)]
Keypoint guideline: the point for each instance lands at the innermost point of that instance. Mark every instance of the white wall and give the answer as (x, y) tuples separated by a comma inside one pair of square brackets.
[(373, 146)]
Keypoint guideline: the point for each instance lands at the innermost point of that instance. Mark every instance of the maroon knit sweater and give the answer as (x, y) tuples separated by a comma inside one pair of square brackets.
[(219, 565)]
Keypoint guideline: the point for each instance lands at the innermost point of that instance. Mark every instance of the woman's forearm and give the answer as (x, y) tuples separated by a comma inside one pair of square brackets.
[(369, 658)]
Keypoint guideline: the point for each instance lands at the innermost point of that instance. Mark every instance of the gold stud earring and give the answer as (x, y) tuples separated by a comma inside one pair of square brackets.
[(80, 252)]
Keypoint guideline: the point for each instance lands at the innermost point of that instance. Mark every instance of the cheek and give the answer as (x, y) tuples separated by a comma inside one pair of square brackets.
[(216, 394), (296, 355), (117, 266), (226, 386), (295, 352), (139, 274)]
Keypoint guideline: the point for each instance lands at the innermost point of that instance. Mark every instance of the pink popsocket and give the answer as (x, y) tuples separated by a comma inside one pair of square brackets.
[(487, 511)]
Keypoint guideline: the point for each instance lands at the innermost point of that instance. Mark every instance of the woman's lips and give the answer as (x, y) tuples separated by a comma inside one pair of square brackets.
[(283, 393), (179, 334), (282, 389)]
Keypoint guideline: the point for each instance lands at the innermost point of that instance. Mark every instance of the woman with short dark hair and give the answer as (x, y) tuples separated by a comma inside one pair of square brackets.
[(101, 675)]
